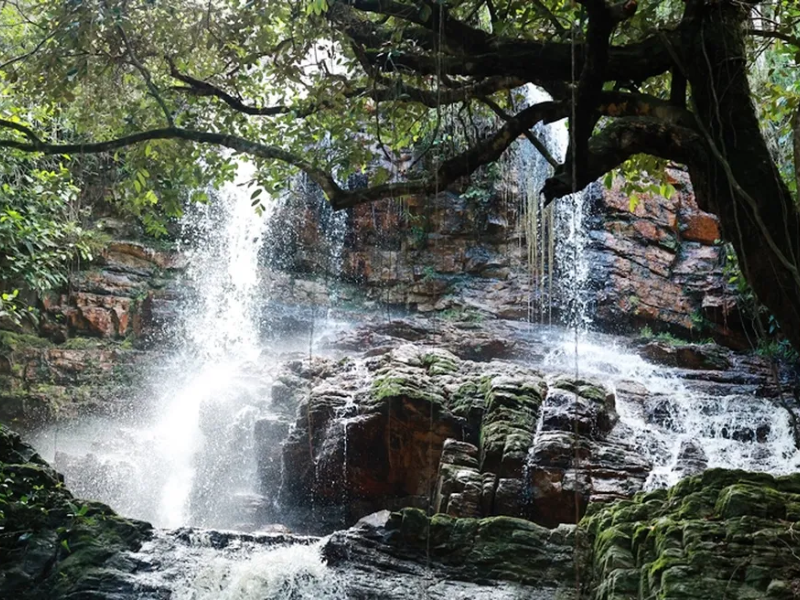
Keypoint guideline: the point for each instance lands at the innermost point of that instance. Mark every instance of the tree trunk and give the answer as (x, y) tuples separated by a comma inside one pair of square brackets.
[(757, 212)]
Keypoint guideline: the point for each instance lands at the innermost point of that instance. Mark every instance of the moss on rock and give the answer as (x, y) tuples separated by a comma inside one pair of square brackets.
[(53, 545), (492, 548), (721, 534)]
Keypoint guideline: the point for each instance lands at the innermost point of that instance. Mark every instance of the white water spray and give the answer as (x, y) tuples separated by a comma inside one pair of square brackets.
[(188, 456), (660, 413), (220, 337)]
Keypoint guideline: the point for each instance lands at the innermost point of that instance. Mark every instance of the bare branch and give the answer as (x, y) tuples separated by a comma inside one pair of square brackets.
[(461, 165), (536, 142), (776, 35), (620, 140)]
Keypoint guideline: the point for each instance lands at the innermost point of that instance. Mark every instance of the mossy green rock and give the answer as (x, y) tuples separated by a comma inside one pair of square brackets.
[(719, 535), (512, 409), (492, 548), (53, 545)]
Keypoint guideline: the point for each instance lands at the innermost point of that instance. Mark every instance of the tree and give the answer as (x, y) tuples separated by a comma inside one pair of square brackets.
[(301, 84)]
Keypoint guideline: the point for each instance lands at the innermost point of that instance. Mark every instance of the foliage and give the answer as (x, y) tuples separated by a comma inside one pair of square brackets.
[(40, 231), (418, 95), (118, 67)]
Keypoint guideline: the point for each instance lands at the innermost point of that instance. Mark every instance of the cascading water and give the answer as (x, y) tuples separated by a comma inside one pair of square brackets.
[(662, 414), (188, 458), (730, 430), (556, 235), (207, 422)]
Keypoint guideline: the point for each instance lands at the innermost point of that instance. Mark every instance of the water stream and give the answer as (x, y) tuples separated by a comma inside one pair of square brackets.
[(189, 456)]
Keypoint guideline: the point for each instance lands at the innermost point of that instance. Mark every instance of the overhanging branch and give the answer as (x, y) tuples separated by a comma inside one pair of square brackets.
[(624, 138), (489, 150)]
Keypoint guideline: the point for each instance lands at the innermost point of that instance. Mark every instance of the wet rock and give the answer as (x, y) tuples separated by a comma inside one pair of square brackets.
[(688, 356), (268, 434), (722, 532), (55, 546), (364, 448), (512, 410), (459, 487), (691, 458), (573, 461), (489, 549), (42, 381), (660, 265)]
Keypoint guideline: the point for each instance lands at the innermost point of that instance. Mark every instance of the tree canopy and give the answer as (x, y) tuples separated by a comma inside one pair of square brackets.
[(335, 87)]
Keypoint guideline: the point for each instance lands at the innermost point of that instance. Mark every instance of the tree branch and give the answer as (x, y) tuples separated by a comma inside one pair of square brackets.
[(323, 179), (391, 90), (622, 139), (461, 165), (26, 131), (602, 21), (777, 35), (147, 78), (529, 60), (536, 142)]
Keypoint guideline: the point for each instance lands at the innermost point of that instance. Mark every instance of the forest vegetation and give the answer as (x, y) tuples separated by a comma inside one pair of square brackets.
[(150, 101)]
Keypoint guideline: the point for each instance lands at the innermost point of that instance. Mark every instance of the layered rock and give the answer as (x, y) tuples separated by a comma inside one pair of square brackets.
[(576, 459), (722, 534), (88, 348), (127, 291), (482, 550), (418, 426), (662, 265), (42, 381)]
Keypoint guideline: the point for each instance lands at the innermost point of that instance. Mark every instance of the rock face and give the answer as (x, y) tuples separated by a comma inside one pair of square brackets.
[(126, 292), (89, 347), (419, 426), (659, 265), (722, 534), (491, 549), (42, 381), (450, 252), (53, 545), (576, 458), (662, 265)]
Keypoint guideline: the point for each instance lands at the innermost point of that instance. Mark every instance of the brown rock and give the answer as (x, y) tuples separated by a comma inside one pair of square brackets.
[(701, 227)]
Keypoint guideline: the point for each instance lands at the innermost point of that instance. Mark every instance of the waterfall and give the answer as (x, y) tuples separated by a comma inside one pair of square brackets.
[(204, 423), (663, 415), (556, 235), (187, 455)]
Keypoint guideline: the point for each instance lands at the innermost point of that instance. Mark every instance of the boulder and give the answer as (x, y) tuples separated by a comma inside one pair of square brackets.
[(53, 545), (719, 534)]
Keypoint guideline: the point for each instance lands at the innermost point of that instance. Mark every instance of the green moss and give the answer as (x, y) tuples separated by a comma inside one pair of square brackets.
[(742, 499), (10, 341), (396, 385), (491, 548), (66, 542), (583, 388), (84, 343), (721, 534), (439, 364)]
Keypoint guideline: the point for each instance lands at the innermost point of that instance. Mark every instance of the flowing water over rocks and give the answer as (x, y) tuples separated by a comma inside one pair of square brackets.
[(287, 448)]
